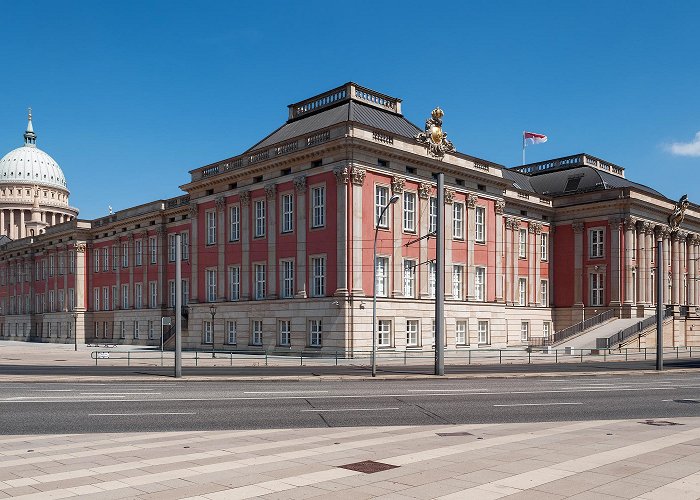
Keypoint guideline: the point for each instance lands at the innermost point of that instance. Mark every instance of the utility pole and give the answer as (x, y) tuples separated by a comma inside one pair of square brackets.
[(440, 279), (659, 305), (178, 306)]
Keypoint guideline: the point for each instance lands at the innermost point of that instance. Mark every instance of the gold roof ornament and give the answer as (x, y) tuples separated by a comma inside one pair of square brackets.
[(434, 138)]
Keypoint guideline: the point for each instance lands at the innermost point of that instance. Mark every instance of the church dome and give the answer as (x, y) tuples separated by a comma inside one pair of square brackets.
[(30, 165)]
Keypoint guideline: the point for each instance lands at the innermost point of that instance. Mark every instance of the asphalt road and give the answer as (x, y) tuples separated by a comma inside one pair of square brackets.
[(42, 408)]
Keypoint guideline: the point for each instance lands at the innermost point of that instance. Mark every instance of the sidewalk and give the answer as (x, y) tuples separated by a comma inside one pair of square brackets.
[(580, 460)]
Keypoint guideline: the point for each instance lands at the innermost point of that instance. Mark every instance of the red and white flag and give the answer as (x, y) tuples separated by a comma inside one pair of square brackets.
[(533, 138)]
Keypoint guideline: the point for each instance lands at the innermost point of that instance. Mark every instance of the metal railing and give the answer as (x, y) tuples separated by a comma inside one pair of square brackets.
[(637, 328), (580, 327)]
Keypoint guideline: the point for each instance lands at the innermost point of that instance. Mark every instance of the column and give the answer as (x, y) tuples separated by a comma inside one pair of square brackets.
[(471, 232), (424, 190), (615, 255), (649, 244), (342, 176), (3, 229), (508, 296), (692, 257), (301, 275), (397, 186), (220, 204), (272, 274), (629, 256), (642, 271), (666, 269), (11, 232), (578, 263), (21, 233), (531, 256), (675, 268), (538, 266), (130, 263), (499, 206), (449, 235), (515, 240), (683, 258), (194, 251), (244, 198)]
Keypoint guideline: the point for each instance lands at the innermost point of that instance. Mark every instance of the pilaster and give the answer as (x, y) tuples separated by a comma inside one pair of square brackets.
[(499, 207), (342, 176)]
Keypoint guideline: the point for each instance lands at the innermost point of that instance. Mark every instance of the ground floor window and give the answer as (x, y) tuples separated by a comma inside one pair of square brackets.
[(206, 332), (483, 331), (231, 332), (285, 329), (524, 331), (256, 332), (461, 337), (412, 333), (384, 333), (315, 333)]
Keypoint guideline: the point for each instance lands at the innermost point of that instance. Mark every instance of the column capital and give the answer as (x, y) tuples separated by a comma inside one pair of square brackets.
[(449, 196), (193, 210), (424, 189), (220, 203), (471, 200), (342, 174), (398, 184), (358, 176), (630, 223), (244, 198), (499, 206), (577, 227), (270, 191)]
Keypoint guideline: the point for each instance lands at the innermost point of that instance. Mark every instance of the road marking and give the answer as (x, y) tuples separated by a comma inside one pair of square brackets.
[(137, 414), (285, 392), (119, 393), (540, 404), (447, 390), (350, 409), (50, 390)]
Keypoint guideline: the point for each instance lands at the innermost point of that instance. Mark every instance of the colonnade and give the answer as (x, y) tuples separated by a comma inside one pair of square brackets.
[(13, 221)]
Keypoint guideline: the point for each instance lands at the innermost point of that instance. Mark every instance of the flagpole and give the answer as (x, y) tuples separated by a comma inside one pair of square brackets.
[(523, 147)]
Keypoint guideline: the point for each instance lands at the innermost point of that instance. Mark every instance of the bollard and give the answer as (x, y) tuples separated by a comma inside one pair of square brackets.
[(625, 354), (196, 358), (645, 354), (95, 358), (404, 358), (676, 352), (500, 356), (265, 359), (230, 356), (605, 355), (581, 355), (301, 358), (528, 357), (336, 357), (470, 357), (161, 358), (556, 356)]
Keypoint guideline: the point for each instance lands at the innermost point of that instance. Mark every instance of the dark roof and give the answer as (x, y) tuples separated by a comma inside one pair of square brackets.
[(349, 110), (572, 180)]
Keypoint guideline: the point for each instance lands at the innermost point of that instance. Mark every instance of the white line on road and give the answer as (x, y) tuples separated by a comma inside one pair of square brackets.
[(50, 390), (137, 414), (285, 392), (541, 404), (119, 393), (351, 409), (447, 390)]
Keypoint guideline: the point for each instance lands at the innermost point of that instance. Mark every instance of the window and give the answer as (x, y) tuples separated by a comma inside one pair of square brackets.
[(597, 243), (382, 272), (458, 221), (432, 218), (125, 255), (260, 276), (171, 293), (524, 331), (185, 285), (115, 257), (71, 299), (315, 333), (381, 198), (125, 296), (105, 330), (211, 227), (153, 294), (409, 278), (138, 252), (384, 333), (137, 329), (461, 333), (52, 303), (318, 206), (95, 296), (231, 332), (115, 297), (412, 333), (256, 332), (522, 291), (287, 279), (544, 246), (52, 266), (234, 283), (596, 289), (480, 224), (457, 288), (153, 245), (546, 329), (105, 259), (260, 218), (105, 298), (287, 213), (171, 247), (151, 330), (544, 295), (61, 301), (71, 256), (480, 284), (207, 332), (318, 267), (61, 267), (122, 330), (211, 285), (431, 279), (409, 211), (138, 296), (235, 223), (285, 329), (96, 258), (483, 332), (522, 244), (69, 329)]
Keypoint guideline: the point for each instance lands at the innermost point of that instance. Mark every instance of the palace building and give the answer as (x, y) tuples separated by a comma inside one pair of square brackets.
[(277, 244)]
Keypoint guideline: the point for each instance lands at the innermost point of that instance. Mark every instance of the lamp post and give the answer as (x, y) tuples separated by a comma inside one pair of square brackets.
[(75, 330), (212, 311), (392, 200)]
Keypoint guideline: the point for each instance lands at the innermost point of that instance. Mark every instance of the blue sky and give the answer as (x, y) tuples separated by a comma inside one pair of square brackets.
[(129, 96)]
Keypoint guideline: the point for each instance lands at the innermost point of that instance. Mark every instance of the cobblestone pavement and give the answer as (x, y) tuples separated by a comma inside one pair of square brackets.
[(595, 459)]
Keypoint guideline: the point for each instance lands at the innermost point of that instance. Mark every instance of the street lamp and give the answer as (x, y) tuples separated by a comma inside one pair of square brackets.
[(392, 200), (75, 330), (212, 311)]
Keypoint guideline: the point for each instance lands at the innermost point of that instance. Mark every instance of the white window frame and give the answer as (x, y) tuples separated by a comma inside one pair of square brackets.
[(138, 296), (384, 333), (597, 287), (172, 250), (381, 198), (287, 201), (315, 333), (96, 259), (461, 332), (480, 284), (482, 329), (382, 273), (412, 333), (432, 214), (284, 330), (185, 245), (234, 216), (256, 332), (544, 247), (286, 278), (409, 278), (432, 277), (105, 259), (409, 211), (596, 237), (546, 329), (234, 283), (318, 206), (318, 276), (458, 282), (207, 337), (480, 224), (153, 249), (125, 254), (260, 276), (231, 332), (210, 218), (458, 221), (138, 252), (95, 299), (137, 330), (522, 291), (544, 293), (524, 331), (153, 294), (211, 284), (260, 210), (522, 244), (105, 298)]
